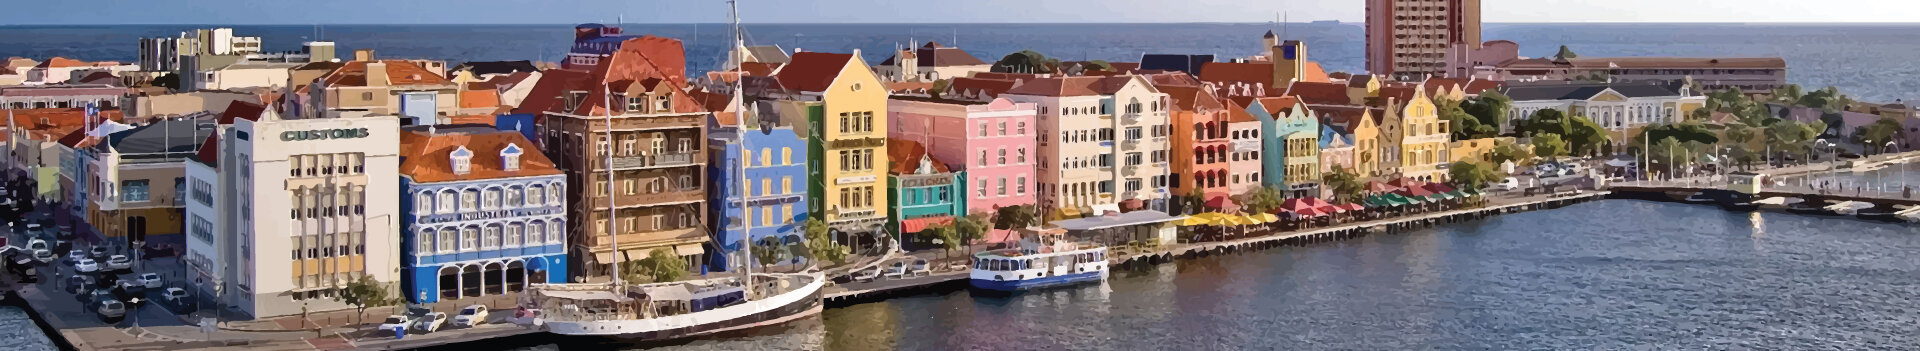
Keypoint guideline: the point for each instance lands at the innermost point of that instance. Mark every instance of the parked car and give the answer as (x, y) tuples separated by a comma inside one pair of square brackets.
[(529, 317), (74, 256), (431, 322), (111, 309), (866, 275), (119, 263), (35, 230), (100, 295), (176, 297), (152, 280), (86, 266), (896, 270), (79, 283), (43, 256), (36, 244), (131, 291), (1508, 184), (919, 268), (98, 253), (471, 316), (398, 324)]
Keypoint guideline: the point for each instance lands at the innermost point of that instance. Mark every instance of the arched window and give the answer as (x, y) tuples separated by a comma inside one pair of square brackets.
[(491, 200), (555, 231), (423, 202), (536, 195), (447, 201), (469, 238), (516, 234), (556, 194), (423, 242), (449, 240), (516, 196), (469, 200), (536, 232), (490, 237)]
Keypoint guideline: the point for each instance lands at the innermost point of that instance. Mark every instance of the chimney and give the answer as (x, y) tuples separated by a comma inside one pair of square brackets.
[(363, 55), (377, 74)]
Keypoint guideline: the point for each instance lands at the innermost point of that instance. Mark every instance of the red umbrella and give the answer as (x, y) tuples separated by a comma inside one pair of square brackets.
[(1414, 191), (1296, 205), (1131, 204), (1439, 188), (1375, 186), (1354, 207), (1223, 204), (1404, 182)]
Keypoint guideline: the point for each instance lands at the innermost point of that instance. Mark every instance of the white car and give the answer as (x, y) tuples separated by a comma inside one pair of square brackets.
[(397, 323), (152, 280), (471, 316), (866, 275), (1508, 184), (43, 256), (920, 268), (896, 270), (175, 296), (111, 309), (119, 263), (36, 244), (74, 256), (86, 265), (431, 322)]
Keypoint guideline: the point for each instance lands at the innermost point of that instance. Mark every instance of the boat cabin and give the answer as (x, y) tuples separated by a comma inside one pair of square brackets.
[(1746, 182)]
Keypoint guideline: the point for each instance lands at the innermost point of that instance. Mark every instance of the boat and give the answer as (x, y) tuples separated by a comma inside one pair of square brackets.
[(1811, 207), (1849, 208), (674, 310), (1883, 214), (1041, 261)]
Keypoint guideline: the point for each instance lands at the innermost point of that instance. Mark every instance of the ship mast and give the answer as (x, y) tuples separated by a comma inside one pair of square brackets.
[(740, 133), (613, 238)]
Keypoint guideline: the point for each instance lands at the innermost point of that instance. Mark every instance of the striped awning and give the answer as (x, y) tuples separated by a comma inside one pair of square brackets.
[(918, 224)]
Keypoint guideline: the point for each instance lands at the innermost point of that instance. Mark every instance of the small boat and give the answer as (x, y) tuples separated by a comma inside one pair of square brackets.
[(1849, 208), (1777, 203), (1866, 168), (1042, 261), (1700, 198), (1882, 214), (1815, 208)]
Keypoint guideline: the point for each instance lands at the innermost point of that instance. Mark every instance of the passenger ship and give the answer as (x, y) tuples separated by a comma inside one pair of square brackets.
[(1047, 260), (664, 311)]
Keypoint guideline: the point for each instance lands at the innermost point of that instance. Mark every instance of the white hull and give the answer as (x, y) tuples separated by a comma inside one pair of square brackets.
[(794, 304)]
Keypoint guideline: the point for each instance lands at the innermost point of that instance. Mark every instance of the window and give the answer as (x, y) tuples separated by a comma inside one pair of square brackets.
[(555, 193), (786, 156), (515, 233), (469, 238), (766, 186), (786, 214), (366, 96), (448, 240), (1021, 128), (133, 191), (983, 128), (983, 188), (446, 201), (491, 201), (1003, 187), (535, 194), (469, 200), (766, 157), (1003, 128), (554, 233), (786, 185), (1003, 157), (515, 196), (1020, 156), (535, 231)]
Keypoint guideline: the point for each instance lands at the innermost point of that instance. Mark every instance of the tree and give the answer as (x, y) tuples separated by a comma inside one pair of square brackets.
[(1667, 152), (820, 247), (661, 265), (1261, 200), (1545, 121), (967, 230), (1549, 145), (940, 88), (1015, 217), (170, 81), (1345, 185), (1490, 107), (1789, 94), (1585, 136), (1739, 133), (1875, 135), (1472, 175), (1099, 65), (767, 251), (949, 238), (1566, 53), (1465, 126), (363, 293), (1504, 151), (1026, 61)]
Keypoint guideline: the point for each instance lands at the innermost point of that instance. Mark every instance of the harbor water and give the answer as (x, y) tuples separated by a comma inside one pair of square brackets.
[(1614, 274)]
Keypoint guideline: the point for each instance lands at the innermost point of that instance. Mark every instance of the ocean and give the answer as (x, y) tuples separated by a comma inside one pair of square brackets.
[(1870, 62)]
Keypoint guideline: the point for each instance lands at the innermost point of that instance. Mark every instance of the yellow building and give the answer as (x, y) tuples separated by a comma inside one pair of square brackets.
[(1423, 147), (1475, 150), (840, 105)]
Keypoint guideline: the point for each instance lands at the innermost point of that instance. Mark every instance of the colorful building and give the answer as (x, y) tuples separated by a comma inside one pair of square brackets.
[(1424, 147), (1408, 39), (139, 175), (1293, 133), (993, 142), (1356, 125), (633, 145), (478, 218), (390, 87), (840, 106), (1200, 135), (772, 196), (1103, 143), (1336, 149), (1244, 162), (922, 191)]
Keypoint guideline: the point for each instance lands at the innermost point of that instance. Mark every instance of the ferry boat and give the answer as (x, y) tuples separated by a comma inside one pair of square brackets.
[(1042, 261)]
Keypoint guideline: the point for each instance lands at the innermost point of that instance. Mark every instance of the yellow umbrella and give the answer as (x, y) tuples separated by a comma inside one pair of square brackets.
[(1193, 221), (1268, 217), (1229, 220), (1251, 219)]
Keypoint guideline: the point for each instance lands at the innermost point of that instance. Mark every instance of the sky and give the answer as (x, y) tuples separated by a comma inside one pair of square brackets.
[(239, 12)]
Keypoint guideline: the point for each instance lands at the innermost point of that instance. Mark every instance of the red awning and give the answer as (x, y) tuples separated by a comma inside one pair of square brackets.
[(1224, 204), (1438, 188), (1414, 192), (1354, 207), (918, 224), (1375, 186)]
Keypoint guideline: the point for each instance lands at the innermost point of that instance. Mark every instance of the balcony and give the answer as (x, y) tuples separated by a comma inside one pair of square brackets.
[(668, 159), (1131, 118), (652, 123)]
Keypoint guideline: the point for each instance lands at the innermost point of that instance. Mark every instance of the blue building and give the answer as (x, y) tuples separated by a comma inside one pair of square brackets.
[(776, 189), (483, 214)]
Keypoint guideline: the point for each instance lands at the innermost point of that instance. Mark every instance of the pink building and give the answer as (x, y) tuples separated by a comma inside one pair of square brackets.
[(992, 141), (1245, 163)]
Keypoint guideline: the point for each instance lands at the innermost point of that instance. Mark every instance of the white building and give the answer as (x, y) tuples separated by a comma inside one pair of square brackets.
[(1102, 141), (288, 212), (245, 75), (1615, 107)]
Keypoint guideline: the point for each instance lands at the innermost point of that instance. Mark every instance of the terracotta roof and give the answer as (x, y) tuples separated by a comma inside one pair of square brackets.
[(479, 99), (1237, 112), (1071, 86), (471, 119), (56, 118), (62, 62), (1192, 98), (1346, 118), (909, 87), (241, 110), (509, 80), (1319, 93), (812, 71), (1006, 76), (646, 62), (935, 55), (1172, 78), (718, 103), (904, 157), (1315, 73), (979, 87), (399, 72), (1397, 94), (553, 84), (1238, 72), (427, 157), (1275, 106), (1125, 66), (100, 78), (1433, 86), (209, 152), (73, 137)]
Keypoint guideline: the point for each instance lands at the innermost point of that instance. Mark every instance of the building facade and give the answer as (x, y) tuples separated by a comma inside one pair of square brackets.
[(1615, 107), (922, 191), (139, 175), (929, 63), (993, 142), (843, 106), (1244, 162), (1203, 143), (480, 217), (1408, 39), (1103, 141), (1749, 74), (389, 87), (1423, 149), (772, 197)]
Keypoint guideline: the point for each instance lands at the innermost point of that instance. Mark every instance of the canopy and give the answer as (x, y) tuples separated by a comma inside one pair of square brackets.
[(1223, 203), (1414, 192), (1374, 186), (1124, 219), (1354, 207), (1267, 217), (1296, 205), (1251, 219), (1193, 221), (1404, 182), (1438, 188), (919, 224)]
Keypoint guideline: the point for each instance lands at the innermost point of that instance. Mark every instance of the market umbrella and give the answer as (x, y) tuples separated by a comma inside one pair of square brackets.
[(1354, 207), (1132, 204), (1193, 221), (1375, 186), (1296, 205), (1251, 219), (1404, 183), (1223, 204), (1438, 188), (1267, 217)]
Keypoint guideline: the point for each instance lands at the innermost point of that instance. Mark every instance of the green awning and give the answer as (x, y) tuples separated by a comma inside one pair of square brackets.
[(1407, 200)]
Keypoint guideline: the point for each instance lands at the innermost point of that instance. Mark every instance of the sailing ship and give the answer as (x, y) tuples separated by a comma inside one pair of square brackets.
[(672, 310)]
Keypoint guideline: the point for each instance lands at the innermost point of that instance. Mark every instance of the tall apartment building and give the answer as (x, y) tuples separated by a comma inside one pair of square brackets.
[(630, 117), (1103, 143), (1408, 40)]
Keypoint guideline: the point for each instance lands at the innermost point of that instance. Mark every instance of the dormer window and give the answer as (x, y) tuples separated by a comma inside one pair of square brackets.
[(661, 103), (462, 160), (635, 104), (574, 98), (510, 157)]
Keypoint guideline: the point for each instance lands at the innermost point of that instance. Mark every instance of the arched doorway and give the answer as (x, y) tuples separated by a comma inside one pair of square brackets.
[(449, 282), (516, 276), (495, 278), (470, 281), (537, 271)]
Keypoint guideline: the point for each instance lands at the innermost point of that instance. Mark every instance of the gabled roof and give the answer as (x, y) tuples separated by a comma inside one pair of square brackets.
[(552, 86), (479, 99), (1273, 106), (1319, 93), (1399, 95), (1434, 86), (1315, 73), (399, 72), (812, 71), (209, 152), (1072, 86), (1237, 113), (62, 62), (241, 110), (1172, 78), (935, 55), (1192, 98), (904, 158), (427, 157), (1344, 118)]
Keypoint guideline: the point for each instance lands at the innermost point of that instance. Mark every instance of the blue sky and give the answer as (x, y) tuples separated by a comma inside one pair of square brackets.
[(884, 11)]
